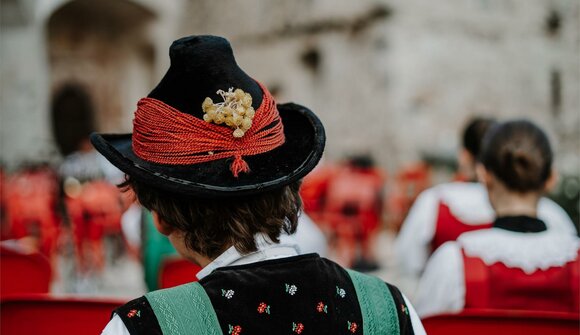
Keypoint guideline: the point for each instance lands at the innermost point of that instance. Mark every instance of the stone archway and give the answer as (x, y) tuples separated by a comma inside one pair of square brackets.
[(105, 48), (73, 116)]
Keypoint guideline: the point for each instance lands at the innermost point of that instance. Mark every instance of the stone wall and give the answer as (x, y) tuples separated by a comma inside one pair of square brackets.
[(399, 79), (396, 79)]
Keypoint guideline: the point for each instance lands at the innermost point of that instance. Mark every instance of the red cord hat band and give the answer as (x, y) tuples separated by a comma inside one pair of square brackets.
[(164, 135)]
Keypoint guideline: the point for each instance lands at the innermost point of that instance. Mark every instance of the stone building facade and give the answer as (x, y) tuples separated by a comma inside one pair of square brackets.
[(396, 79)]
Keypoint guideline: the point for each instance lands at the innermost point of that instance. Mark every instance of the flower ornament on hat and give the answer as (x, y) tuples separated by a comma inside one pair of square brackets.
[(209, 129), (236, 111)]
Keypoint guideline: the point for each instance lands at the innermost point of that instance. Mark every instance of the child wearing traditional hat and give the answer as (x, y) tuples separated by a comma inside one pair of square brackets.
[(519, 263), (219, 163)]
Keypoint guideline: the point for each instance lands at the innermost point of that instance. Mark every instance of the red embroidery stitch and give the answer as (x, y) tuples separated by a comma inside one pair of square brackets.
[(133, 312), (297, 327), (321, 307), (235, 330), (352, 327), (263, 307)]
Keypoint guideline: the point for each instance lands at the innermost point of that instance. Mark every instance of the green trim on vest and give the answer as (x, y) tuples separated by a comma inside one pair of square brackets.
[(184, 310), (377, 305), (187, 309)]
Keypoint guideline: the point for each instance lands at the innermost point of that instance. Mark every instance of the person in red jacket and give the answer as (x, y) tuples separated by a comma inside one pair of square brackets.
[(353, 210), (518, 263)]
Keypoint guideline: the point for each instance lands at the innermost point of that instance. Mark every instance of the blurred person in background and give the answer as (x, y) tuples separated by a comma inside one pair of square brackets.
[(30, 219), (221, 180), (519, 263), (95, 211), (308, 237), (86, 164), (314, 189), (352, 210), (100, 217), (443, 212)]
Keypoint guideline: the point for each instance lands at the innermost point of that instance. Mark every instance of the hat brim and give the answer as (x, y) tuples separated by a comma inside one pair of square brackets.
[(303, 148)]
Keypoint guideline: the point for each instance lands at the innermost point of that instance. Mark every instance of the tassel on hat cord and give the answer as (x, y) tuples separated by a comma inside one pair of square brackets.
[(239, 165)]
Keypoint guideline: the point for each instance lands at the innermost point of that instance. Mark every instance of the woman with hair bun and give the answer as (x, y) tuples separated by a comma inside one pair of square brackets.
[(445, 211), (518, 263)]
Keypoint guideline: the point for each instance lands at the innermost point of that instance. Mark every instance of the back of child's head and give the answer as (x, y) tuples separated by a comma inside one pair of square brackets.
[(518, 153), (474, 132), (210, 225)]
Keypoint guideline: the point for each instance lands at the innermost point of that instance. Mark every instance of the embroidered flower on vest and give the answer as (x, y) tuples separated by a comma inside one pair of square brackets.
[(234, 330), (352, 326), (263, 308), (228, 294), (321, 307), (133, 313), (340, 292), (291, 289), (298, 328), (404, 309)]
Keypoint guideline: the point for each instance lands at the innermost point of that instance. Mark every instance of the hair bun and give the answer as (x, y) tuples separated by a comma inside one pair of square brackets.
[(519, 154), (520, 163)]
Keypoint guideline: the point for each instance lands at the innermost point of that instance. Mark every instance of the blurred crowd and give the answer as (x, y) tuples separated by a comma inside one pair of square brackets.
[(74, 210), (78, 211)]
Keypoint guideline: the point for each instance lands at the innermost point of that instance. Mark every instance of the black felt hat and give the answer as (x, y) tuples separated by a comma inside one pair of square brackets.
[(200, 66)]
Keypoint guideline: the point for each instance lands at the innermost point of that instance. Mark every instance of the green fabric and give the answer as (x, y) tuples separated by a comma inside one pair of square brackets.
[(184, 310), (377, 306), (155, 248)]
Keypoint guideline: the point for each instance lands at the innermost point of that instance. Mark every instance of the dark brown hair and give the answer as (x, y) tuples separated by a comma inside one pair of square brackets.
[(474, 133), (212, 225), (519, 154)]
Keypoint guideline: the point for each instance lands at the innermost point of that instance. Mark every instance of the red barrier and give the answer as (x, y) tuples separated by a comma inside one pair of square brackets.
[(23, 273), (503, 322), (47, 315), (95, 212)]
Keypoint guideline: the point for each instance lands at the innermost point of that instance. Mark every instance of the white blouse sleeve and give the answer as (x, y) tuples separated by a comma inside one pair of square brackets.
[(412, 246), (442, 287), (115, 327), (418, 328)]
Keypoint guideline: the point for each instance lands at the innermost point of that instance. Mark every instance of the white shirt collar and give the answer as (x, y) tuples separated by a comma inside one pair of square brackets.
[(266, 250), (528, 251)]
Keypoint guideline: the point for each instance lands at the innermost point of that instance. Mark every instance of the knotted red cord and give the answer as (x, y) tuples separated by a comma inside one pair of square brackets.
[(162, 134)]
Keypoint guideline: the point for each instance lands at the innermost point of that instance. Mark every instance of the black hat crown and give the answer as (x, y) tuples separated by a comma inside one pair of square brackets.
[(200, 66)]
